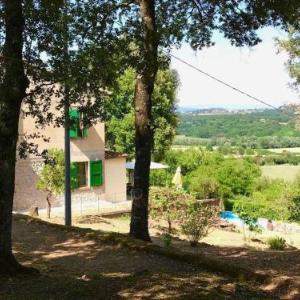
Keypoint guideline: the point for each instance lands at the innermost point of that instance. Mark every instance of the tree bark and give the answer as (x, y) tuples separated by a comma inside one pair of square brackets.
[(12, 92), (48, 199), (146, 74)]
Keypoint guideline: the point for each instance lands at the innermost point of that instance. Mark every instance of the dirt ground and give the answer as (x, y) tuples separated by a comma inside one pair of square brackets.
[(230, 246), (74, 265)]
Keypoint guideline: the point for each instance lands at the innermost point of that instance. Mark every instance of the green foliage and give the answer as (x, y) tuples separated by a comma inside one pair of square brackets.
[(167, 204), (167, 239), (241, 127), (189, 160), (292, 46), (294, 204), (247, 219), (271, 199), (237, 181), (295, 209), (203, 182), (160, 177), (276, 243), (119, 111), (197, 219), (228, 204), (237, 177), (223, 178), (51, 177), (234, 133), (120, 134)]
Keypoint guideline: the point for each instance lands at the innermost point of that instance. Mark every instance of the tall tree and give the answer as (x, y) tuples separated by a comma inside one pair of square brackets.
[(12, 92), (153, 25), (146, 74), (34, 69)]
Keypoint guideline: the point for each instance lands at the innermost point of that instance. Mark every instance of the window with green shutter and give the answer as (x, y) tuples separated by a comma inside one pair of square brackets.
[(96, 174), (74, 175), (74, 122)]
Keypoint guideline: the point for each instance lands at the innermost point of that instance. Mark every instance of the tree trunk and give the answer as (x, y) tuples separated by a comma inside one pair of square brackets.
[(146, 74), (48, 199), (12, 92)]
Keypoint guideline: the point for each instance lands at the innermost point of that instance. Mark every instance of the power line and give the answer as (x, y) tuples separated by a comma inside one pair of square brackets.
[(223, 82)]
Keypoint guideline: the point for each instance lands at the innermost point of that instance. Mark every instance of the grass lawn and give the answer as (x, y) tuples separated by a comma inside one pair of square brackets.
[(77, 263), (295, 150), (285, 172)]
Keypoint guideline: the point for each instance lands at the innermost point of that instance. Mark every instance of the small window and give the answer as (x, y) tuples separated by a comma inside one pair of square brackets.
[(79, 175), (82, 174), (77, 128)]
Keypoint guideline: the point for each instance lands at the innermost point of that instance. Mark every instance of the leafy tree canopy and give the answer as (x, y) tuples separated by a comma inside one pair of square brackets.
[(119, 113), (51, 177)]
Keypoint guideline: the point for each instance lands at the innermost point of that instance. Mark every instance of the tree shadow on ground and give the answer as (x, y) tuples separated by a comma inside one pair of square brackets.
[(75, 266)]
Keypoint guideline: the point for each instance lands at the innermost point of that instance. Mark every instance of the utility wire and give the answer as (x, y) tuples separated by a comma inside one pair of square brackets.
[(224, 83)]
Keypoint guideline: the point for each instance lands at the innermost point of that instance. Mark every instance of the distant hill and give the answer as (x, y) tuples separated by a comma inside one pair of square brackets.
[(185, 109), (215, 110), (213, 123)]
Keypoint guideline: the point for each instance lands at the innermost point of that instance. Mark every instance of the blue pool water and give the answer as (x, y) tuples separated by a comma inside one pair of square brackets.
[(261, 222), (232, 217), (235, 219)]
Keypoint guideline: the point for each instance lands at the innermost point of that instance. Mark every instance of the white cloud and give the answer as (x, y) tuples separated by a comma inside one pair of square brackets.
[(260, 71)]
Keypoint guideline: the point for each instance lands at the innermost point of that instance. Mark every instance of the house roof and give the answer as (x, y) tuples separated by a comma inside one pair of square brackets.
[(113, 154)]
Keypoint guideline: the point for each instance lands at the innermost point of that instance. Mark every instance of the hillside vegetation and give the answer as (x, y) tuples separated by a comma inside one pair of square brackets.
[(266, 129)]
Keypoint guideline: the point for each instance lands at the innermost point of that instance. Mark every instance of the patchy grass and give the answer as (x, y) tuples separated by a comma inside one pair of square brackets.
[(285, 172), (295, 150), (78, 263)]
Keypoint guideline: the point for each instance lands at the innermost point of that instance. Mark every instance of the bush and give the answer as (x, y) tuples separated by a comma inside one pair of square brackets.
[(167, 239), (167, 204), (276, 243), (271, 200), (228, 204), (197, 220)]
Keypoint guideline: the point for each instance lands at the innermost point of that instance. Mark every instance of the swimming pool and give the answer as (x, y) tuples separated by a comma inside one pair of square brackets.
[(232, 218), (261, 222)]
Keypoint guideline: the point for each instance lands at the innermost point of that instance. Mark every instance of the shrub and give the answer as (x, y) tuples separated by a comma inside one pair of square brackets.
[(197, 220), (228, 204), (167, 204), (51, 176), (276, 243), (167, 239)]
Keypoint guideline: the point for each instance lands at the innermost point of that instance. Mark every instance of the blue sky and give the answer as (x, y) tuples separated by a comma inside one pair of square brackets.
[(259, 71)]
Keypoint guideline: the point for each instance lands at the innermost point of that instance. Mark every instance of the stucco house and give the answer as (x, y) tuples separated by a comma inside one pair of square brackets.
[(96, 172)]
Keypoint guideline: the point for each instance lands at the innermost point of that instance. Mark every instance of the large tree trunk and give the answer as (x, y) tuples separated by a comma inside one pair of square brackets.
[(12, 92), (146, 74)]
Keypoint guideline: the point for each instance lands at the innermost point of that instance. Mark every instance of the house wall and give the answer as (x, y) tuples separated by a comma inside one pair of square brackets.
[(27, 195), (82, 149), (89, 148), (115, 179)]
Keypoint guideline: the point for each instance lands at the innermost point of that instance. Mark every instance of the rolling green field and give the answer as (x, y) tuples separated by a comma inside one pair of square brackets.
[(285, 172)]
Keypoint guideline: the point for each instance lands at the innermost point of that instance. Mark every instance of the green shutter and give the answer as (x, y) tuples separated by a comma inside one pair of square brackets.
[(74, 122), (96, 176), (74, 175)]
